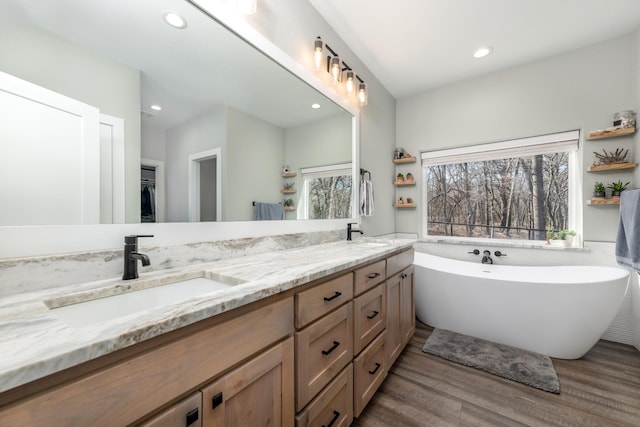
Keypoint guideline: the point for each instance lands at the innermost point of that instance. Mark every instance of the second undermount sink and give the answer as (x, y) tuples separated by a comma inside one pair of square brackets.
[(99, 309)]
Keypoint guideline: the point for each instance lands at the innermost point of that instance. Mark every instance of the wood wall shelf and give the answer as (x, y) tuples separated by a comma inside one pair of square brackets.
[(615, 166), (601, 201), (401, 183), (289, 208), (288, 174), (404, 205), (287, 191), (405, 160), (600, 134)]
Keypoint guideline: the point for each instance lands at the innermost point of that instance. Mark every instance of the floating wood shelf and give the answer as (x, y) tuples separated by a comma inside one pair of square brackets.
[(404, 205), (405, 160), (600, 134), (289, 208), (287, 191), (614, 166), (288, 174), (401, 183), (603, 201)]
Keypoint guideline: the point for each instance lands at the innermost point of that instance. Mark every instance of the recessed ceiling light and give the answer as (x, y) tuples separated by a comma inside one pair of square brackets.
[(482, 52), (315, 106), (175, 20), (155, 107)]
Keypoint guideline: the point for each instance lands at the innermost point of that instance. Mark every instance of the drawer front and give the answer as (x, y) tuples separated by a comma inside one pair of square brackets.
[(187, 412), (369, 276), (321, 299), (322, 350), (369, 370), (333, 406), (369, 316), (399, 261)]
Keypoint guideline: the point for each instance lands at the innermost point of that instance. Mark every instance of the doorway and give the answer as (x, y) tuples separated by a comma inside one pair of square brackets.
[(205, 186)]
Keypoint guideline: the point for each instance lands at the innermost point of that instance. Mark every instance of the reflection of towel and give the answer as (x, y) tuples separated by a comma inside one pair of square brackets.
[(366, 195), (628, 240), (268, 211)]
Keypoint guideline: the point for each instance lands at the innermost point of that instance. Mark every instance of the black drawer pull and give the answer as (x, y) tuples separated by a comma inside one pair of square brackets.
[(375, 370), (336, 415), (192, 416), (333, 347), (334, 296), (373, 275), (403, 275), (216, 400), (375, 313)]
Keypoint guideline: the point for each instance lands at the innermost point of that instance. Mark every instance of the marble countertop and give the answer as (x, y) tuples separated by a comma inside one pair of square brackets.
[(35, 342)]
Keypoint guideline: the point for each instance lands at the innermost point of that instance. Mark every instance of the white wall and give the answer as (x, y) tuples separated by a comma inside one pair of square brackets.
[(576, 90)]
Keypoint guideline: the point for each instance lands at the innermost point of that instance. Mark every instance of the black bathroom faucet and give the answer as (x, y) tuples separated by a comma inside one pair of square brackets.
[(131, 257), (351, 230), (486, 259)]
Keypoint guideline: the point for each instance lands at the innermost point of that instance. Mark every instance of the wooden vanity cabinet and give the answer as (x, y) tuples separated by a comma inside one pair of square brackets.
[(186, 413)]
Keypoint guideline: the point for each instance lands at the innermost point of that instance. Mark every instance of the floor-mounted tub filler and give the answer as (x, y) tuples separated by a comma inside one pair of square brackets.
[(559, 311)]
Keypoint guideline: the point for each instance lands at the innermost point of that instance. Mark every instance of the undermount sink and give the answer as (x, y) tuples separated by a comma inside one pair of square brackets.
[(101, 308)]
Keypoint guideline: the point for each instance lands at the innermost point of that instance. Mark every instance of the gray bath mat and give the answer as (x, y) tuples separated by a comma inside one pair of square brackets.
[(533, 369)]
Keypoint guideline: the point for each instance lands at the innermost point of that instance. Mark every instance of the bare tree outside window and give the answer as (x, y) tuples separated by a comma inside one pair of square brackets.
[(516, 198), (329, 197)]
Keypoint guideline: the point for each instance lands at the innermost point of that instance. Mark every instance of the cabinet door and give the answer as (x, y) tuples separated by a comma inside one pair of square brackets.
[(394, 334), (186, 413), (408, 309), (258, 393)]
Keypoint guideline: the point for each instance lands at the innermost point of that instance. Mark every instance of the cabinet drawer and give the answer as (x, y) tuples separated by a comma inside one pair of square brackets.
[(322, 350), (321, 299), (399, 261), (369, 276), (187, 413), (369, 316), (333, 406), (369, 370)]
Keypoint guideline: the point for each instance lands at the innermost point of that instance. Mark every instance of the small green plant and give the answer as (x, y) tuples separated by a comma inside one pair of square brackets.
[(288, 185), (550, 233), (598, 187), (570, 232), (400, 176), (288, 202), (618, 186), (562, 235)]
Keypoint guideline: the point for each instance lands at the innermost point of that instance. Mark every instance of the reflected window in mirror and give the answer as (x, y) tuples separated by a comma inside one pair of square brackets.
[(327, 192)]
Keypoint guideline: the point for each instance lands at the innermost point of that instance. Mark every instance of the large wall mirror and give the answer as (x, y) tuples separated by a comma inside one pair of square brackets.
[(110, 115)]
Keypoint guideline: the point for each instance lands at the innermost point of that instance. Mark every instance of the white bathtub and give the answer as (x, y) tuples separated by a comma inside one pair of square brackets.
[(557, 311)]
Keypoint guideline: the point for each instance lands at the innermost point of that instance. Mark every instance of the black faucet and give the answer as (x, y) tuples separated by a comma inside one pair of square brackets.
[(351, 230), (486, 259), (131, 257)]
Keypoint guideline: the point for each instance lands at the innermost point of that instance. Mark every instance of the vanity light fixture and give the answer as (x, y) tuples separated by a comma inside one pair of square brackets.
[(482, 52), (175, 20), (338, 69)]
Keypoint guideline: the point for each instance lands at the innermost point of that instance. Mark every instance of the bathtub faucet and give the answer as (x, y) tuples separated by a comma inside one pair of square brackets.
[(486, 259)]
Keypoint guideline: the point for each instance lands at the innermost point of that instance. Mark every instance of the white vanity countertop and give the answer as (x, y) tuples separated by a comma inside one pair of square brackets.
[(34, 342)]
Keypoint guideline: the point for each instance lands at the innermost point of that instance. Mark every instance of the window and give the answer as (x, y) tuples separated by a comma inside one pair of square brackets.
[(327, 192), (514, 189)]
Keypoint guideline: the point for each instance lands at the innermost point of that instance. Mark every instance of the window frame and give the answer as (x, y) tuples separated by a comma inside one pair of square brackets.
[(567, 141), (339, 169)]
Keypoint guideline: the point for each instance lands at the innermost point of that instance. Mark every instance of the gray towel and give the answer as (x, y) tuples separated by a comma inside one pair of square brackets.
[(628, 240), (366, 195), (268, 211)]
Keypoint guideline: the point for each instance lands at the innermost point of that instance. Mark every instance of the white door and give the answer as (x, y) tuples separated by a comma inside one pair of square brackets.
[(59, 136), (111, 170)]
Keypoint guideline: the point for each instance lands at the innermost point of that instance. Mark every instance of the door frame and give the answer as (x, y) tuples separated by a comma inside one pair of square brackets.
[(194, 182)]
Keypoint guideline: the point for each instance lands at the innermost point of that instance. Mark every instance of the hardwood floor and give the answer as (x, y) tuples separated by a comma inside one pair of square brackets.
[(601, 389)]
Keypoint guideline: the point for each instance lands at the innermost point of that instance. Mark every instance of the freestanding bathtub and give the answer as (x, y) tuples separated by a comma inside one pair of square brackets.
[(558, 311)]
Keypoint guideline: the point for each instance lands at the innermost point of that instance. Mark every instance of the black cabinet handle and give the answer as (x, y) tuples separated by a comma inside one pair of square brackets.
[(375, 313), (336, 415), (334, 296), (373, 275), (376, 369), (216, 400), (192, 416), (403, 275), (333, 347)]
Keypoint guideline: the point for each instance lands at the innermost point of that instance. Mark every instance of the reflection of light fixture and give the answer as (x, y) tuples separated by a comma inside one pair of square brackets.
[(175, 20), (482, 52), (363, 95), (315, 106), (155, 107), (247, 7), (338, 69)]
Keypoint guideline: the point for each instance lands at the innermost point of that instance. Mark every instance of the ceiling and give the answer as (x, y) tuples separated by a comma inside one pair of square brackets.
[(413, 46)]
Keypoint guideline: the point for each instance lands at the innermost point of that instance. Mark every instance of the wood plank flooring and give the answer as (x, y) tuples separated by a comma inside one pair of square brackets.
[(601, 389)]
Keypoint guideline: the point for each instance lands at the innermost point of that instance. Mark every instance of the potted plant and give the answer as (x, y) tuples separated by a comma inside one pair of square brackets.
[(598, 190), (288, 203), (571, 235), (409, 177), (559, 238), (399, 178), (617, 188)]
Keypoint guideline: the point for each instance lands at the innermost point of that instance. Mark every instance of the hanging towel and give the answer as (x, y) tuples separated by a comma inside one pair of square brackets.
[(268, 211), (628, 240), (366, 194)]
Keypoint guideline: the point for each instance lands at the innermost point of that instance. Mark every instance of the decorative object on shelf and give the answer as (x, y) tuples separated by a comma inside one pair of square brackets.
[(287, 173), (339, 69), (611, 157), (624, 119), (617, 188), (285, 169), (399, 153), (399, 178), (288, 205), (409, 200), (288, 185), (401, 201), (409, 178), (598, 190), (560, 238)]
